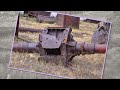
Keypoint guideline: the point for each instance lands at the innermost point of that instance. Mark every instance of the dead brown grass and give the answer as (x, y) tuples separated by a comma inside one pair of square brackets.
[(83, 66)]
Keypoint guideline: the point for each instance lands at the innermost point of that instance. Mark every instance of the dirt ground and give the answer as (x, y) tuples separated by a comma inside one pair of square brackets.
[(83, 66)]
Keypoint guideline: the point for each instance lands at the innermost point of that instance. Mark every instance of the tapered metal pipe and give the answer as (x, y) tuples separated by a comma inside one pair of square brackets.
[(32, 30), (25, 47)]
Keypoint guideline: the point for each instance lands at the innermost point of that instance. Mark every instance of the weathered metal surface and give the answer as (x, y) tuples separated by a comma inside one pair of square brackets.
[(72, 50), (54, 37), (101, 34), (68, 21), (60, 20), (25, 47), (100, 48), (58, 41), (36, 13), (46, 19), (32, 30), (92, 48), (67, 47), (49, 41)]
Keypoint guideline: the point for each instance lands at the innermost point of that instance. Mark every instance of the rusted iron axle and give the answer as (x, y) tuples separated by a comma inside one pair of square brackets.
[(58, 41), (55, 54), (86, 48), (25, 47)]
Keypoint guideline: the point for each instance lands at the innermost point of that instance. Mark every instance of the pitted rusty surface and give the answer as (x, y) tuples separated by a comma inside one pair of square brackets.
[(68, 21), (67, 47), (101, 34)]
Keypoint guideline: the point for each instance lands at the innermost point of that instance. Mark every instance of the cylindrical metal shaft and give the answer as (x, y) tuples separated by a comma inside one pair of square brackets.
[(100, 48), (23, 29), (94, 48), (90, 48), (25, 47), (81, 47)]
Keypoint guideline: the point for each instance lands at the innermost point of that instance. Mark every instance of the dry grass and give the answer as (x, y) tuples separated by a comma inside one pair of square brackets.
[(31, 22), (83, 66)]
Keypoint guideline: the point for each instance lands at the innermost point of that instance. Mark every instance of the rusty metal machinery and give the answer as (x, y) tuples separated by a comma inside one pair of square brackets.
[(58, 42), (36, 13), (101, 34), (25, 47), (61, 19), (67, 21), (45, 19)]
